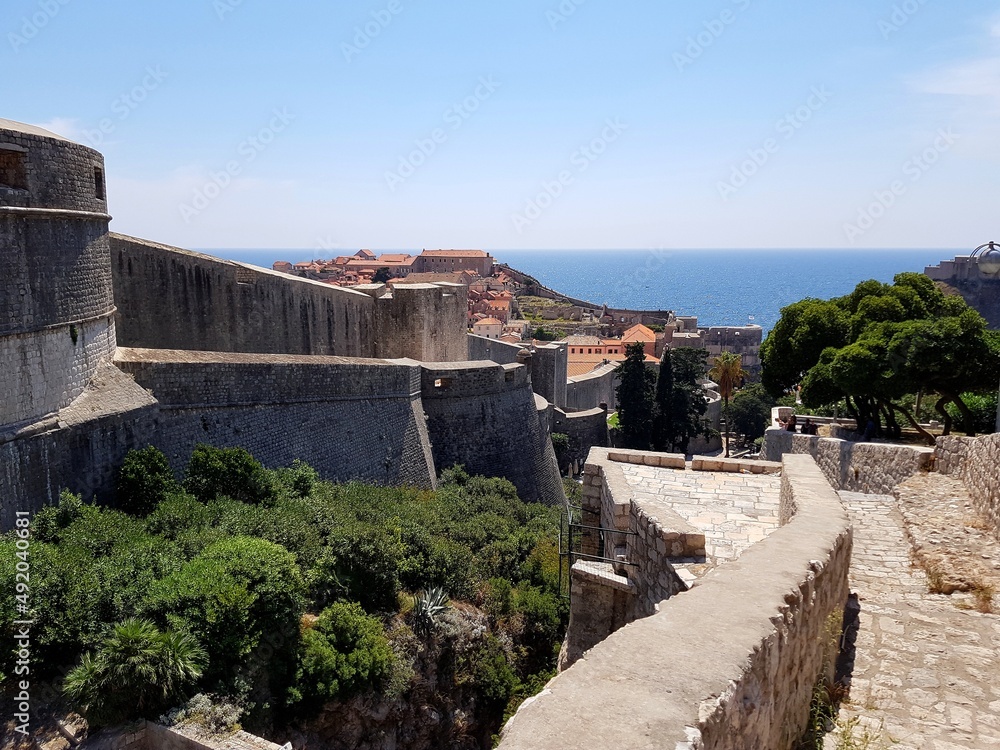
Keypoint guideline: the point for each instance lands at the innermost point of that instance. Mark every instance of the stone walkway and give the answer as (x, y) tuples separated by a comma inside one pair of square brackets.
[(734, 510), (926, 674)]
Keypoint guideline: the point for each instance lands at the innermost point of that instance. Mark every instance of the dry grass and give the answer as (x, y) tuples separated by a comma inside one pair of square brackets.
[(983, 594)]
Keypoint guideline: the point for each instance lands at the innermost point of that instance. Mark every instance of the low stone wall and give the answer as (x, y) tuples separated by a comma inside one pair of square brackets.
[(148, 735), (593, 389), (482, 348), (731, 663), (872, 468), (585, 429), (974, 461)]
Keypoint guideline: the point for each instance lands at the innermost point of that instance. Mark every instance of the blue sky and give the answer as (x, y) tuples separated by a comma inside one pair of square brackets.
[(524, 124)]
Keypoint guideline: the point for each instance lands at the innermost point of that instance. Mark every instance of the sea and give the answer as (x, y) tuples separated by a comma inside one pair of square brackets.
[(720, 287)]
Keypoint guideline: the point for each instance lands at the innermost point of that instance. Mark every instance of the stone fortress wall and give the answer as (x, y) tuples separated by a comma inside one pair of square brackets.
[(974, 461), (55, 329), (713, 668), (979, 288), (224, 353), (872, 468)]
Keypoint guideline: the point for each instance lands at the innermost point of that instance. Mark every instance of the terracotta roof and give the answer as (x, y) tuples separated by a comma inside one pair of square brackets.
[(364, 254), (456, 253), (394, 257), (489, 322), (639, 333), (579, 340)]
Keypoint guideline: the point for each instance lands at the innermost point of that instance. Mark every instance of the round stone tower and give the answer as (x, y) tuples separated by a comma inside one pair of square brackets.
[(56, 300)]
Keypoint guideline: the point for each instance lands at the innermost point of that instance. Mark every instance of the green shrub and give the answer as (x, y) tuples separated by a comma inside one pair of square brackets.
[(365, 561), (491, 674), (345, 652), (144, 481), (230, 472), (137, 671)]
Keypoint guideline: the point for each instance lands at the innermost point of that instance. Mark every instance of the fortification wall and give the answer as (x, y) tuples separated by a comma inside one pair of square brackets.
[(349, 419), (730, 663), (974, 461), (549, 364), (484, 416), (593, 389), (872, 468), (482, 348), (55, 281), (170, 298), (585, 429), (425, 322)]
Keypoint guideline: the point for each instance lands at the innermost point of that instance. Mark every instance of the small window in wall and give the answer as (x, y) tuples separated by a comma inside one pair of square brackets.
[(13, 169), (442, 383), (99, 183)]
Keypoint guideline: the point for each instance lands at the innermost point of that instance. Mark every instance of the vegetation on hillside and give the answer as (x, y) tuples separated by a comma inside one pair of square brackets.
[(875, 348), (279, 593)]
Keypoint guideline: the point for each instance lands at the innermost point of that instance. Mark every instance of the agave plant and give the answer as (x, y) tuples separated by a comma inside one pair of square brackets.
[(427, 605)]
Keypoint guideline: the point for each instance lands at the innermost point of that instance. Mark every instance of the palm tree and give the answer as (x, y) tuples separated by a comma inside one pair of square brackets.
[(727, 371), (137, 670)]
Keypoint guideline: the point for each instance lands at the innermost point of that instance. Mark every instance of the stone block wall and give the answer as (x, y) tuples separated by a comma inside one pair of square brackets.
[(728, 665), (593, 389), (976, 462), (484, 416), (872, 468), (549, 364), (170, 298), (148, 735), (482, 348), (55, 280), (349, 419), (585, 429), (425, 322)]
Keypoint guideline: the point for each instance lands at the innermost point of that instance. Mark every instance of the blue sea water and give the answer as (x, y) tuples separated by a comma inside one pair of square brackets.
[(721, 287)]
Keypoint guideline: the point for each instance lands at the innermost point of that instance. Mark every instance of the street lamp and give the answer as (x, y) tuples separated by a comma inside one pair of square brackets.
[(988, 259)]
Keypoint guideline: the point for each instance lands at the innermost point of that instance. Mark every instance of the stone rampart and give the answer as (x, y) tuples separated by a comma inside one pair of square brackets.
[(592, 389), (55, 281), (484, 416), (730, 664), (872, 468), (170, 298), (482, 348), (425, 322), (549, 363), (349, 419), (975, 462), (585, 430)]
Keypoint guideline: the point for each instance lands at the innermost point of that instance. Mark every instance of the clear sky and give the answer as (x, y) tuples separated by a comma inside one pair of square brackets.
[(524, 123)]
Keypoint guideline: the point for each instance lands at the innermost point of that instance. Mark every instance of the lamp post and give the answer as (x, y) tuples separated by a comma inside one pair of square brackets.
[(988, 259)]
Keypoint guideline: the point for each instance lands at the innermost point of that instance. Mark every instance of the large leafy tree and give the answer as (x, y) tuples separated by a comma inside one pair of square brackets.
[(728, 373), (634, 395), (872, 347)]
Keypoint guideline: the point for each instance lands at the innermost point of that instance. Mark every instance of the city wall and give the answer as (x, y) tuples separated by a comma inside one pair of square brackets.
[(872, 468), (974, 461), (730, 663), (585, 430), (484, 416), (481, 348), (170, 298), (593, 389), (349, 419)]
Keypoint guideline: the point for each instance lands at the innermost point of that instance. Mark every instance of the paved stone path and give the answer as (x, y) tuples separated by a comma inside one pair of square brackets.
[(926, 674), (734, 510)]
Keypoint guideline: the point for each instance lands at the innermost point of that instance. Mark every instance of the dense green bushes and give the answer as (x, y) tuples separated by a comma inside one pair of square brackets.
[(284, 590)]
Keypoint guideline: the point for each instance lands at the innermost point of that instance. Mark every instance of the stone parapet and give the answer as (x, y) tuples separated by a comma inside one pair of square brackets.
[(976, 462), (731, 664)]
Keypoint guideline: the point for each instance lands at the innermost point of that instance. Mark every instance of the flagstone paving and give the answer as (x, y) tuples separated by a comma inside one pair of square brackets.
[(926, 673)]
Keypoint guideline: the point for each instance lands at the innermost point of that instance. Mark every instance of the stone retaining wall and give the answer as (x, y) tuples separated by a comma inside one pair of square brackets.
[(593, 389), (731, 664), (148, 735), (585, 430), (975, 462), (872, 468)]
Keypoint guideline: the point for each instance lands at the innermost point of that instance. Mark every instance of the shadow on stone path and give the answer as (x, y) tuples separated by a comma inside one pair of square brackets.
[(925, 673)]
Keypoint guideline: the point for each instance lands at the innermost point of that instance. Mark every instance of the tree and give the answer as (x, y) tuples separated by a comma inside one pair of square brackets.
[(880, 343), (144, 481), (137, 671), (231, 472), (680, 400), (382, 275), (634, 396), (751, 411), (728, 373)]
